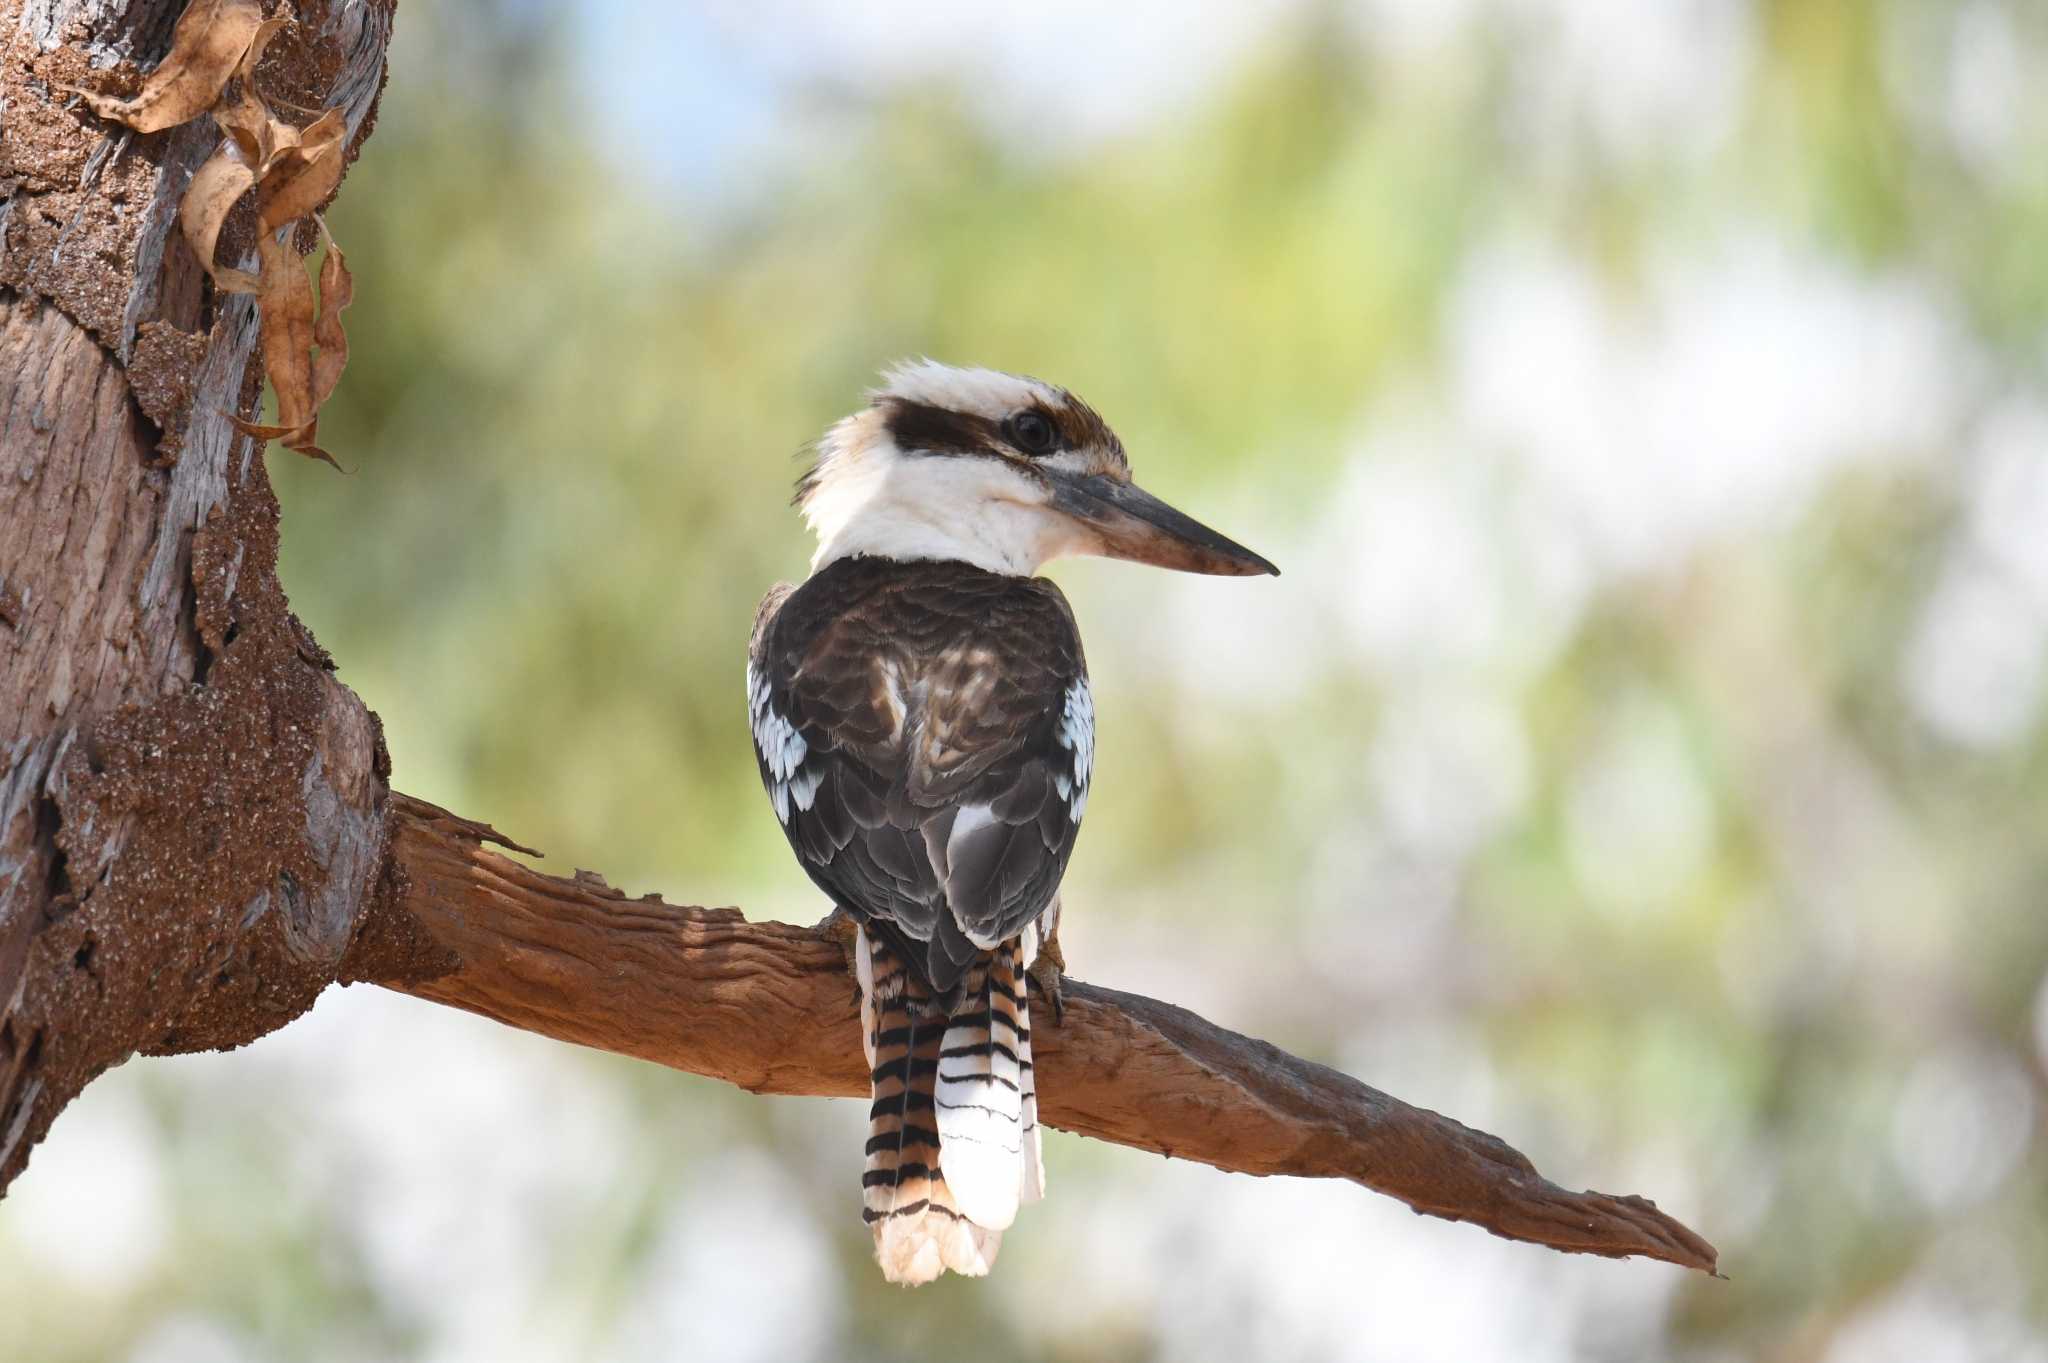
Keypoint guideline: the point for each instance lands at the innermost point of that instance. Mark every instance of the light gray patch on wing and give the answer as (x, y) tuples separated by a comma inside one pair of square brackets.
[(974, 843), (967, 821), (782, 750), (1077, 736)]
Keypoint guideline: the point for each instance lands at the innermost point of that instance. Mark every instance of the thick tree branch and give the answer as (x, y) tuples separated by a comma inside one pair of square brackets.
[(768, 1006)]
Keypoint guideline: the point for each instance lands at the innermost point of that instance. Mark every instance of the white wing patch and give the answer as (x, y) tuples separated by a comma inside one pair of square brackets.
[(782, 750), (1077, 735)]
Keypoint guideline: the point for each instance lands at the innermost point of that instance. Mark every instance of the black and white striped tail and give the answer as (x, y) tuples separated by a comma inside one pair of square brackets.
[(953, 1141)]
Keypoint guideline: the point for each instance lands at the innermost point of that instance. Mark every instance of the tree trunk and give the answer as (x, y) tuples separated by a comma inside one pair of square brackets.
[(191, 806), (197, 833)]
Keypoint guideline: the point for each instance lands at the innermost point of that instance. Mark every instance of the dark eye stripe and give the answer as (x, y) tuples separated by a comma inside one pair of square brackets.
[(938, 430)]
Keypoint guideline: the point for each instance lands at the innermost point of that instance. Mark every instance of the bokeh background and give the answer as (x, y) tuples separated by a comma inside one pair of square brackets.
[(1643, 756)]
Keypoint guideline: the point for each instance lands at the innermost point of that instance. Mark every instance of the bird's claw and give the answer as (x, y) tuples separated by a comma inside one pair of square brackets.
[(1046, 972), (840, 927)]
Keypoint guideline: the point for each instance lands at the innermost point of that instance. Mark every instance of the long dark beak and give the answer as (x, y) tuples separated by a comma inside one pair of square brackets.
[(1131, 523)]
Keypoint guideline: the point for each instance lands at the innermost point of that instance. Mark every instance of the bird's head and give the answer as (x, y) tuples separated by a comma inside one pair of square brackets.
[(996, 470)]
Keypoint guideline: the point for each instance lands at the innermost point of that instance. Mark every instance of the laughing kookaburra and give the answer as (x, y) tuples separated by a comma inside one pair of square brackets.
[(921, 712)]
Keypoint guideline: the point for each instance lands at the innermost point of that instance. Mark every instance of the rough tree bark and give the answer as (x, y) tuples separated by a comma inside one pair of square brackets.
[(191, 810), (196, 829)]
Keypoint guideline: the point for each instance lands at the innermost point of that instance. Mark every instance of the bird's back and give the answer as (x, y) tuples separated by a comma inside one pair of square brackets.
[(925, 734)]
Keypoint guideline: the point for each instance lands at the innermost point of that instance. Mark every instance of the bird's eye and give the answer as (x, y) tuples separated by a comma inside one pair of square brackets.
[(1032, 433)]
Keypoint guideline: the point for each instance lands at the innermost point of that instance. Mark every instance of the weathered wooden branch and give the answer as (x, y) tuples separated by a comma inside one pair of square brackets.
[(197, 833), (768, 1006)]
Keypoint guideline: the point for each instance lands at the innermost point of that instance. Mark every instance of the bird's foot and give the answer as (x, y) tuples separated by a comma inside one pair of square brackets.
[(1045, 975), (840, 927)]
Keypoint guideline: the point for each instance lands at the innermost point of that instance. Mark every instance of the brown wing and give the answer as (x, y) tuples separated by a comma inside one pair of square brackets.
[(926, 734)]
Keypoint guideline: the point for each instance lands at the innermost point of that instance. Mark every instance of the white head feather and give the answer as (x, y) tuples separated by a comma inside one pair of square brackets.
[(868, 496)]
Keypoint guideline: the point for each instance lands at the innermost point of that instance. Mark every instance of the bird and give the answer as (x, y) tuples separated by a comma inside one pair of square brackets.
[(921, 713)]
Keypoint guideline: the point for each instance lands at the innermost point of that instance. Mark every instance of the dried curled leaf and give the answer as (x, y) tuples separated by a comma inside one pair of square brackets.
[(337, 291), (298, 439), (215, 189), (246, 118), (293, 172), (286, 299), (298, 179), (207, 47), (304, 346)]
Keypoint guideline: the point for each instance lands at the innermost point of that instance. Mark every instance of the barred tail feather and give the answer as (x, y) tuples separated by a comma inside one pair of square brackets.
[(1027, 1076), (980, 1094), (919, 1228)]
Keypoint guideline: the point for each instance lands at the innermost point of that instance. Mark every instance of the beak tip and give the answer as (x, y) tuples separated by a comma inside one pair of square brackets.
[(1256, 565)]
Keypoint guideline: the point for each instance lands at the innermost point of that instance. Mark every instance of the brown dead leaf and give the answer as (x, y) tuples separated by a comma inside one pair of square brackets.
[(293, 170), (300, 177), (298, 439), (215, 189), (257, 132), (286, 300), (337, 291), (251, 126), (304, 349), (207, 47)]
